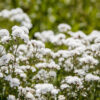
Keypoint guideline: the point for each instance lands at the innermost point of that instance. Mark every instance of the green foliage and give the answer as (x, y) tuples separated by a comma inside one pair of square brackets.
[(6, 23)]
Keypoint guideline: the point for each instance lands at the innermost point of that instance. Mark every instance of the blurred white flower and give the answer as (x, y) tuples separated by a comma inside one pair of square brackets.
[(64, 27)]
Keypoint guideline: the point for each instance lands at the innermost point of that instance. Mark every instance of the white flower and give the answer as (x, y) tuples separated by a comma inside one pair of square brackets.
[(73, 43), (45, 35), (11, 97), (43, 88), (1, 75), (64, 27), (2, 50), (88, 60), (21, 33), (4, 35), (26, 31), (38, 44), (5, 13), (91, 77), (55, 91), (5, 39), (94, 35), (48, 65), (30, 96), (8, 78), (64, 86), (23, 75), (6, 58), (80, 72), (74, 80), (17, 15), (61, 97), (52, 73), (79, 35), (14, 82)]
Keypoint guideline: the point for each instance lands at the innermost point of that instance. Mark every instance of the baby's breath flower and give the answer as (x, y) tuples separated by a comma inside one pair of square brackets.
[(63, 27)]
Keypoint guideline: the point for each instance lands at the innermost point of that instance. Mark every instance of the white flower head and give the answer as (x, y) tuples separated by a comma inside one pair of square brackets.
[(11, 97), (64, 27)]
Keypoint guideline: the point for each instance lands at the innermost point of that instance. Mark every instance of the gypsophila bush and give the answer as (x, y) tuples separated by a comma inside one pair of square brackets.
[(54, 66)]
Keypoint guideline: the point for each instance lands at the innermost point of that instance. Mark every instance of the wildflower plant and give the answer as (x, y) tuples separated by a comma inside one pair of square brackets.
[(66, 69)]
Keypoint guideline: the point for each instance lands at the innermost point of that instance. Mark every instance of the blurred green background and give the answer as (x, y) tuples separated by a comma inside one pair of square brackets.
[(47, 14)]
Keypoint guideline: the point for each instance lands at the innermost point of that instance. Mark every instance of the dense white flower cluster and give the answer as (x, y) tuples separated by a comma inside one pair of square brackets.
[(90, 77), (11, 97), (47, 65), (56, 66), (44, 88), (21, 32), (17, 15), (4, 35)]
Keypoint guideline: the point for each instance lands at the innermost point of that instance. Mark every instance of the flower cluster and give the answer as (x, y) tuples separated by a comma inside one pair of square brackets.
[(17, 15), (61, 66)]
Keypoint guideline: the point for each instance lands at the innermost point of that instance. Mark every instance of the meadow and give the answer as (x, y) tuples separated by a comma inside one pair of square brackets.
[(49, 50)]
